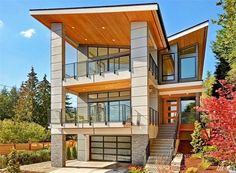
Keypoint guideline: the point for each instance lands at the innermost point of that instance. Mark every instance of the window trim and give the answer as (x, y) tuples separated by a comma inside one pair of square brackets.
[(180, 106), (107, 115), (162, 67), (180, 69), (191, 55)]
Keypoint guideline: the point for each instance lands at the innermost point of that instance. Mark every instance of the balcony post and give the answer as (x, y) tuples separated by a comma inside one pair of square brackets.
[(139, 90), (57, 93)]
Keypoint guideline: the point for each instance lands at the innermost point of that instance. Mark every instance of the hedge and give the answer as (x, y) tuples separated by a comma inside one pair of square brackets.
[(22, 132), (28, 157)]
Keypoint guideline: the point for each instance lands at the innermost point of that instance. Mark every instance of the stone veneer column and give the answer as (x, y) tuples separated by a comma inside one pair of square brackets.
[(139, 90), (57, 93)]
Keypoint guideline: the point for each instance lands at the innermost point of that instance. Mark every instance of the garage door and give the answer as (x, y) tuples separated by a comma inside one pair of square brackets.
[(110, 148)]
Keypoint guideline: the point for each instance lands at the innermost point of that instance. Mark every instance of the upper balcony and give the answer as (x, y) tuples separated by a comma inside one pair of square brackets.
[(98, 64)]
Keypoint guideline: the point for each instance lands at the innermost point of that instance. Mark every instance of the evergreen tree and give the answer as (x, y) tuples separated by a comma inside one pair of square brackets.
[(13, 98), (4, 99), (225, 45), (197, 142), (26, 107), (208, 84), (7, 103), (44, 101)]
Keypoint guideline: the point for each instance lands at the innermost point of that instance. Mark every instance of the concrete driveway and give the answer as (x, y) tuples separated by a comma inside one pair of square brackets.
[(74, 166)]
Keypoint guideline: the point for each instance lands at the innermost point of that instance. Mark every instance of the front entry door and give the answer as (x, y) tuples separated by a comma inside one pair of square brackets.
[(171, 109)]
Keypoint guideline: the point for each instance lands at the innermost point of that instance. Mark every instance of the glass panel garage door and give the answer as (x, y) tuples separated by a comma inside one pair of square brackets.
[(110, 148)]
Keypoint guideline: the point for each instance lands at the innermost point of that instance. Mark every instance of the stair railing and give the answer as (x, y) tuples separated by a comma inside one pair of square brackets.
[(177, 133)]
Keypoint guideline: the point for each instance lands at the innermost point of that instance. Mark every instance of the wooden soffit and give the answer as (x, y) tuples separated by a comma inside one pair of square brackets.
[(100, 86), (104, 26)]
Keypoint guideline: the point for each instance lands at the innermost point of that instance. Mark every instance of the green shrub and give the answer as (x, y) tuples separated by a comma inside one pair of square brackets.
[(74, 152), (13, 165), (197, 142), (29, 157), (207, 149), (191, 170), (24, 157), (22, 132), (205, 164), (45, 155), (3, 161), (197, 155), (68, 153)]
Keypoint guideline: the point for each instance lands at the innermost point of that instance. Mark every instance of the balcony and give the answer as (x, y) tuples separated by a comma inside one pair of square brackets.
[(93, 116), (99, 70)]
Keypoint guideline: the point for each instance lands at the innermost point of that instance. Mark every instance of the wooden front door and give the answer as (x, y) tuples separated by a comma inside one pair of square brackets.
[(171, 109)]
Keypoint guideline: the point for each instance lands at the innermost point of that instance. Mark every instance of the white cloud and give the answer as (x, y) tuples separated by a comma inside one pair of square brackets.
[(28, 33), (1, 23)]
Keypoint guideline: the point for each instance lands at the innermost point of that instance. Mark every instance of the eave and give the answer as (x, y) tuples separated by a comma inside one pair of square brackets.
[(104, 25)]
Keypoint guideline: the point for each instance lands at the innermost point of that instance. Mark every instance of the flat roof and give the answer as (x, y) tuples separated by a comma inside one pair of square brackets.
[(89, 7), (86, 17)]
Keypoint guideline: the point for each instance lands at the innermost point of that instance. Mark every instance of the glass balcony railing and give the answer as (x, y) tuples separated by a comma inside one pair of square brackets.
[(98, 66), (101, 114)]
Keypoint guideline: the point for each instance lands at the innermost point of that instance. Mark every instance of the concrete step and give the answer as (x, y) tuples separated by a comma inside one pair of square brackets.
[(161, 147), (160, 150), (166, 136)]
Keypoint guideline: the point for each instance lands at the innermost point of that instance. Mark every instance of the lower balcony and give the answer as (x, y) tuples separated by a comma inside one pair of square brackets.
[(93, 116)]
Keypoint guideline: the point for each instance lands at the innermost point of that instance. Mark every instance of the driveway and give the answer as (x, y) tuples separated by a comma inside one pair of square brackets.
[(74, 166)]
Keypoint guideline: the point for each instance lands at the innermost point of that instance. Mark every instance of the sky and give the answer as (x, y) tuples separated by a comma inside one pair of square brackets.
[(24, 42)]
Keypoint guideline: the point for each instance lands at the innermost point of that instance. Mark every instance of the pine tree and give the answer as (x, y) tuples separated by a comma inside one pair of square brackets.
[(208, 84), (4, 99), (44, 101), (197, 141), (13, 98), (26, 107), (225, 45)]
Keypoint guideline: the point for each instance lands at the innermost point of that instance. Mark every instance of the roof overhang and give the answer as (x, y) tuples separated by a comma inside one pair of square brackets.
[(105, 25), (193, 35)]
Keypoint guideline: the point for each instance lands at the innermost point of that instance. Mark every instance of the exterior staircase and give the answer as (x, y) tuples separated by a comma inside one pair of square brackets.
[(162, 148)]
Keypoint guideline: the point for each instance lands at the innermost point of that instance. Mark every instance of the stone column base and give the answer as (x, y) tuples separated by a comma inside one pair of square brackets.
[(139, 144), (58, 148)]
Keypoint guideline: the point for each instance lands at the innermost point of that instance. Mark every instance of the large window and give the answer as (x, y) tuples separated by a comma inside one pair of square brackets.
[(188, 63), (103, 59), (188, 113), (168, 67), (94, 52), (110, 111)]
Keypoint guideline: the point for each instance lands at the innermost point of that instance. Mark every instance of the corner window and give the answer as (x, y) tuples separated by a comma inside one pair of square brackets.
[(168, 67), (188, 63)]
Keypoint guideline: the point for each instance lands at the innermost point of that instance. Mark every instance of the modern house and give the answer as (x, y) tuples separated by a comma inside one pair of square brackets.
[(136, 88)]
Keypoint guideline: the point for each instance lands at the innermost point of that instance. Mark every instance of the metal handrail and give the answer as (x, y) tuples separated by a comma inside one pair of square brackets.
[(153, 116), (153, 68), (72, 115), (107, 64), (177, 131)]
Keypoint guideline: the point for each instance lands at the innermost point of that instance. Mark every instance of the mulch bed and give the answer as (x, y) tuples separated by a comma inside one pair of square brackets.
[(193, 162)]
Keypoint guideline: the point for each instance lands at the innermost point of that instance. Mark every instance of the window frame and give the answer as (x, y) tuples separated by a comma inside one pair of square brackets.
[(162, 67), (186, 56), (180, 107)]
